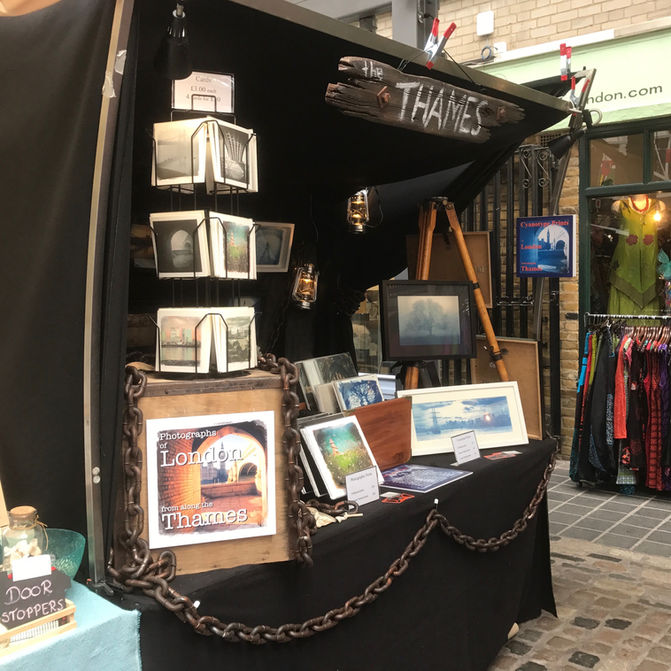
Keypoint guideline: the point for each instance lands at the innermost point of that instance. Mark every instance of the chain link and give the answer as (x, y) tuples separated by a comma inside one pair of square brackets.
[(153, 577)]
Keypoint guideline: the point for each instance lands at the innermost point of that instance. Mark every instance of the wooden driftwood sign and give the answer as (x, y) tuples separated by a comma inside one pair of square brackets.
[(379, 93)]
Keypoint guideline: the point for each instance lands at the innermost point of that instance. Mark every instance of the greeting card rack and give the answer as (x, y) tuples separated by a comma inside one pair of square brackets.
[(231, 186), (193, 370), (198, 254)]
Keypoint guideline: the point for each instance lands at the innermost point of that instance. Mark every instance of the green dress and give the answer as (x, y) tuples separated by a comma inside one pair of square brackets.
[(633, 268)]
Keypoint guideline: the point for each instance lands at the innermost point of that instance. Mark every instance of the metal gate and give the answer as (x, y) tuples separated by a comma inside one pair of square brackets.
[(527, 185)]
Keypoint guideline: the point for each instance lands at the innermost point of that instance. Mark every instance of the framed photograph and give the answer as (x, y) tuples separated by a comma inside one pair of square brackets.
[(355, 392), (427, 320), (273, 246), (232, 246), (204, 92), (234, 155), (446, 263), (180, 243), (313, 372), (180, 152), (493, 411), (234, 334), (338, 448), (210, 478), (183, 340), (522, 359)]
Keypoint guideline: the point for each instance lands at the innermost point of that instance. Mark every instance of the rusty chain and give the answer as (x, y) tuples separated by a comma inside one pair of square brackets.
[(153, 576)]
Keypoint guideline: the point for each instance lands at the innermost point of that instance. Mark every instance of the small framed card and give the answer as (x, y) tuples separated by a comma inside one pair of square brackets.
[(339, 448), (184, 340), (180, 153), (180, 244), (355, 392), (273, 246)]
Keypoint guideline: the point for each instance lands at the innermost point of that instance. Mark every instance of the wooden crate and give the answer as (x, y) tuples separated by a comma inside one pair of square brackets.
[(44, 627), (254, 392), (388, 430)]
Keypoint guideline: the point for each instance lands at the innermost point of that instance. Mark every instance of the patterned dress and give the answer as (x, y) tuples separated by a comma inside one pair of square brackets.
[(633, 269)]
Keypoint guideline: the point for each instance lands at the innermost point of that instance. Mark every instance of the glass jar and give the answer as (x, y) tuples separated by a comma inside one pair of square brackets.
[(23, 537)]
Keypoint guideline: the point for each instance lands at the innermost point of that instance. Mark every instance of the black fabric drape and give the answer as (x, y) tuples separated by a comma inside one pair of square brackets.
[(52, 63)]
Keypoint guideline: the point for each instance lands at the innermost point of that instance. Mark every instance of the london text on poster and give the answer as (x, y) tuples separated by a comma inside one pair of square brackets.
[(210, 478)]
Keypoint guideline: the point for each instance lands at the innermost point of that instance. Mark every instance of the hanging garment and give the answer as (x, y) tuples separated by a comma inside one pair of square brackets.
[(637, 416), (653, 434), (633, 270), (601, 455)]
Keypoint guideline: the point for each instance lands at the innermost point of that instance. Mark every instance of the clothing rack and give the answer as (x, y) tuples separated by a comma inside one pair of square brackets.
[(593, 317)]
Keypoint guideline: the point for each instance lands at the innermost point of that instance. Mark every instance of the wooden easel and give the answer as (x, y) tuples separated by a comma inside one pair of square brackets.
[(427, 224)]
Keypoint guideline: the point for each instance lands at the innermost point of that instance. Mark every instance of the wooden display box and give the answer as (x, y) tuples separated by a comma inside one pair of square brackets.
[(256, 391), (388, 430), (37, 630)]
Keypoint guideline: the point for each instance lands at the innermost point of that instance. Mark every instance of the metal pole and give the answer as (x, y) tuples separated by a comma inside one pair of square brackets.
[(97, 223)]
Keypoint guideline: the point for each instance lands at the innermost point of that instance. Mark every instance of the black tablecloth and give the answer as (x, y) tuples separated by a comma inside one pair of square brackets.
[(451, 609)]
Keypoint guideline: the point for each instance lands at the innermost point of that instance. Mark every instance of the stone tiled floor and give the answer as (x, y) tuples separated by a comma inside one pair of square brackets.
[(611, 565), (641, 522)]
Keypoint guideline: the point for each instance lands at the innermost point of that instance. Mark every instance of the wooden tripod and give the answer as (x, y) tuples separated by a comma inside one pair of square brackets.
[(427, 224)]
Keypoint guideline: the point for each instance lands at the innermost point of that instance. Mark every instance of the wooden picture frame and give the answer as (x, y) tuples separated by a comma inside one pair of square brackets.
[(446, 263), (522, 360), (427, 320), (493, 411)]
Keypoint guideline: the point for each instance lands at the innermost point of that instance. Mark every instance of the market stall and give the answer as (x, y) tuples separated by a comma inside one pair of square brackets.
[(89, 157)]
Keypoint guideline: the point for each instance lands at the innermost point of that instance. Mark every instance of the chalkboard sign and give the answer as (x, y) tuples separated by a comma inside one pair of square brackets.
[(380, 93), (27, 600)]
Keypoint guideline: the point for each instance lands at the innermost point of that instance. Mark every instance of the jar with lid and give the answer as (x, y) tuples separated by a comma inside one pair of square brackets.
[(23, 537)]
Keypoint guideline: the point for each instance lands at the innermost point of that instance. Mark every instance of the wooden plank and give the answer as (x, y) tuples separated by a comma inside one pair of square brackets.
[(226, 397), (66, 616), (388, 430), (382, 94), (4, 520)]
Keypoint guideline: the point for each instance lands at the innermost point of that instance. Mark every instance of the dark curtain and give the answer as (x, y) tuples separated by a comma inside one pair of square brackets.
[(52, 64)]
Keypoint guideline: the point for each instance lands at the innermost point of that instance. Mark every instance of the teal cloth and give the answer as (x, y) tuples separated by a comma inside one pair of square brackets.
[(107, 638)]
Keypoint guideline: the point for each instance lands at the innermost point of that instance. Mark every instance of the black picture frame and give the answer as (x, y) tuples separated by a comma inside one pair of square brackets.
[(410, 311)]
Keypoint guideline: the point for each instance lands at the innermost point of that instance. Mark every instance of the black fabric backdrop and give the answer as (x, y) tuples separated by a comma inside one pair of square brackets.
[(52, 64), (450, 610)]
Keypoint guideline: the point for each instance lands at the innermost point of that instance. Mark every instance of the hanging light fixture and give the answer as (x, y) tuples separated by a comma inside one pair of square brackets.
[(304, 292), (358, 214), (173, 58)]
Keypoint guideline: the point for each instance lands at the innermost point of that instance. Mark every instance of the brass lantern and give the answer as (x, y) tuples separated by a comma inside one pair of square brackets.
[(304, 292), (357, 211)]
